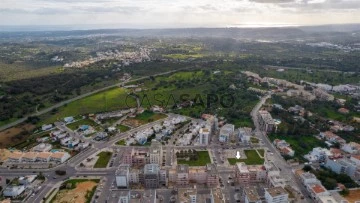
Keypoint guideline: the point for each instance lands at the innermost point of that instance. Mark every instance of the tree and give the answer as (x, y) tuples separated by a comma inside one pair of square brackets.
[(345, 192), (330, 183), (307, 168), (41, 176)]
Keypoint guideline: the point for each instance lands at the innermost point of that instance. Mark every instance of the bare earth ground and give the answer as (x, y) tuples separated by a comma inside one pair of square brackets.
[(4, 153), (12, 136), (132, 122), (75, 195), (353, 196)]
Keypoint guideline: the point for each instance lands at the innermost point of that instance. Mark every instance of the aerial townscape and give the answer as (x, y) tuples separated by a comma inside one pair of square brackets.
[(178, 115)]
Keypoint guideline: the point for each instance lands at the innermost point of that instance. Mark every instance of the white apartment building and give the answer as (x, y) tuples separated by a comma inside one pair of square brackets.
[(204, 136), (276, 195), (225, 132), (59, 157), (13, 191)]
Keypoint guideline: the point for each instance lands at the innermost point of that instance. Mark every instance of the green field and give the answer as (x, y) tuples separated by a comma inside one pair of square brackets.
[(77, 124), (252, 158), (121, 142), (103, 160), (261, 152), (109, 100), (203, 159), (122, 128), (166, 91)]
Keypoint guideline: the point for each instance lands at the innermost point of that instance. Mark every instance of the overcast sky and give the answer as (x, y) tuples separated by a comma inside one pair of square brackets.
[(178, 13)]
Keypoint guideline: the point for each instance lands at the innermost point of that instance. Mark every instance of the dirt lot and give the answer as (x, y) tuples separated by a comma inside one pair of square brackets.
[(75, 195), (353, 196), (132, 122), (4, 153), (15, 135)]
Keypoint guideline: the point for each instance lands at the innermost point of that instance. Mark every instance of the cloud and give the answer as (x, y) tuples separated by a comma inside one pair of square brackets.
[(324, 5), (116, 9), (273, 1), (174, 12), (208, 7)]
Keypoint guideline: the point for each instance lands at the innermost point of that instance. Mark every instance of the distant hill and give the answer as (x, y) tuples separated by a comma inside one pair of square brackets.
[(332, 28), (281, 33)]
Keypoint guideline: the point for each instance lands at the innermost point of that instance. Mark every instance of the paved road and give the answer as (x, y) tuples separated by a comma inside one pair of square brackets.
[(43, 111), (286, 169)]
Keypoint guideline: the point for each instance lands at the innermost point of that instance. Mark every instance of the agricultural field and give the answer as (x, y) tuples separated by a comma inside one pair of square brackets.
[(252, 158), (20, 71), (76, 190), (103, 160)]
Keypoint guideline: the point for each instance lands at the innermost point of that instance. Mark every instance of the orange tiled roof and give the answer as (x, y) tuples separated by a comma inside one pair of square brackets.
[(318, 188)]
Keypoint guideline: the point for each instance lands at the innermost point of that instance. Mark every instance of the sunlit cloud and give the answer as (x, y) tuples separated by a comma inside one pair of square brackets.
[(186, 13)]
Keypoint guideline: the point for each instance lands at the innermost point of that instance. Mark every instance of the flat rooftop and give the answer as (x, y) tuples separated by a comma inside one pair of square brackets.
[(252, 194), (276, 191)]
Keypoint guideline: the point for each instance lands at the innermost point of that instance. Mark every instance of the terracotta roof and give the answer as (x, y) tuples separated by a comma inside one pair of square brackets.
[(356, 157), (44, 155), (335, 151), (57, 155), (343, 110), (317, 188), (329, 134), (15, 155), (30, 155)]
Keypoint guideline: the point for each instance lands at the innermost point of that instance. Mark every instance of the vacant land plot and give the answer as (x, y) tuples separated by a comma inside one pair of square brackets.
[(103, 160), (109, 100), (203, 159), (15, 135), (77, 124), (354, 195), (252, 158), (144, 118), (123, 128), (254, 140), (149, 116), (121, 142), (301, 144), (4, 154), (76, 190)]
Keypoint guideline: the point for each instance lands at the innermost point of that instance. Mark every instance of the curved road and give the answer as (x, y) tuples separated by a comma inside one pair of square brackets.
[(43, 111)]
